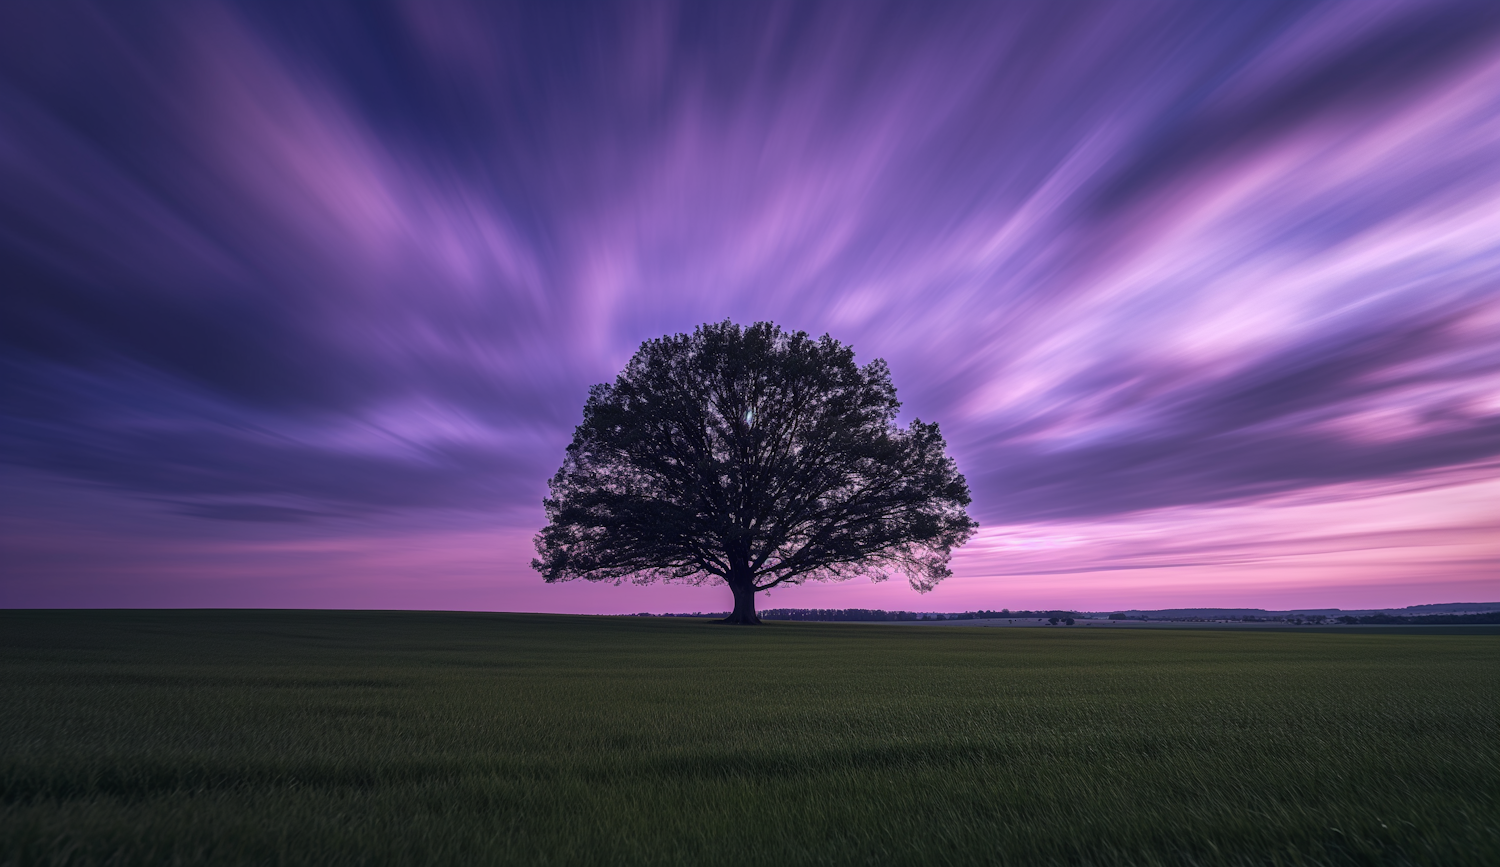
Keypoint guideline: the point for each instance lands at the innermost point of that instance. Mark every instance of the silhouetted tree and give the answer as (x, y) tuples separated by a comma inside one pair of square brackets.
[(754, 457)]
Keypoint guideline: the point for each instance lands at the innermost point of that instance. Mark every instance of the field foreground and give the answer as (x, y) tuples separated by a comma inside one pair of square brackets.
[(400, 738)]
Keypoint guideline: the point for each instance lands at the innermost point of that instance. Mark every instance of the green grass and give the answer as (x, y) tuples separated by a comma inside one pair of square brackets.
[(398, 738)]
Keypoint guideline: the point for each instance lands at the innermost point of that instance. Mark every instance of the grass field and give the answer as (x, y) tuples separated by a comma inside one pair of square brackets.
[(399, 738)]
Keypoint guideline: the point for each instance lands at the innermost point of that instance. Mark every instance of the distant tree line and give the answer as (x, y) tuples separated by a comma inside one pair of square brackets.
[(1068, 617), (839, 614), (875, 614), (1436, 619)]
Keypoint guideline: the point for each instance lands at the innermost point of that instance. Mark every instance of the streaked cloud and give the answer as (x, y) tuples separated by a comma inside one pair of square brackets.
[(1166, 275)]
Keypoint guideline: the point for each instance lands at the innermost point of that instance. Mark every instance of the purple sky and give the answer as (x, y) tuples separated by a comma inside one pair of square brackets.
[(301, 304)]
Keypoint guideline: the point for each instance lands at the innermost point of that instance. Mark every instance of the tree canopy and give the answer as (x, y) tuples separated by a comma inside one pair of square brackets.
[(755, 457)]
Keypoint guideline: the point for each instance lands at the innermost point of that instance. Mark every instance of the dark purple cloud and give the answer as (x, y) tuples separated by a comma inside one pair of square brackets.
[(349, 269)]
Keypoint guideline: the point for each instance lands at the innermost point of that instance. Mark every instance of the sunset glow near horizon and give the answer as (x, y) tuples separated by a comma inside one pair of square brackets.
[(302, 303)]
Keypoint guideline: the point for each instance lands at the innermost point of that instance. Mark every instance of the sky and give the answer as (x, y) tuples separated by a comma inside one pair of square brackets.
[(302, 301)]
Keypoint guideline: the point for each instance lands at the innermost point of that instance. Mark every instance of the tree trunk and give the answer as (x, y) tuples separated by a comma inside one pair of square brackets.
[(744, 605)]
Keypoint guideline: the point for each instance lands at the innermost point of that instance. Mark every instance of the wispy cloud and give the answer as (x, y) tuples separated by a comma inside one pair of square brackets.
[(350, 272)]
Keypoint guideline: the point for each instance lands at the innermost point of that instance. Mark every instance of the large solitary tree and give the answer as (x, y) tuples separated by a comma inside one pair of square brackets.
[(754, 457)]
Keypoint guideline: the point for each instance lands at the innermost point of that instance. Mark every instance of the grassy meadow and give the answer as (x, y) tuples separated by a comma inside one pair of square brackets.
[(400, 738)]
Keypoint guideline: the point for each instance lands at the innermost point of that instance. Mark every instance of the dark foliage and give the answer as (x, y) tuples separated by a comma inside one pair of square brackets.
[(754, 457), (834, 615), (1424, 619)]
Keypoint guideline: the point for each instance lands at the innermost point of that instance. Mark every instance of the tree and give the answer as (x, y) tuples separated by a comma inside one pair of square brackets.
[(752, 457)]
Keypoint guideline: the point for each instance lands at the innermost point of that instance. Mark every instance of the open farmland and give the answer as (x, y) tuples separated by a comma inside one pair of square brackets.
[(397, 738)]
